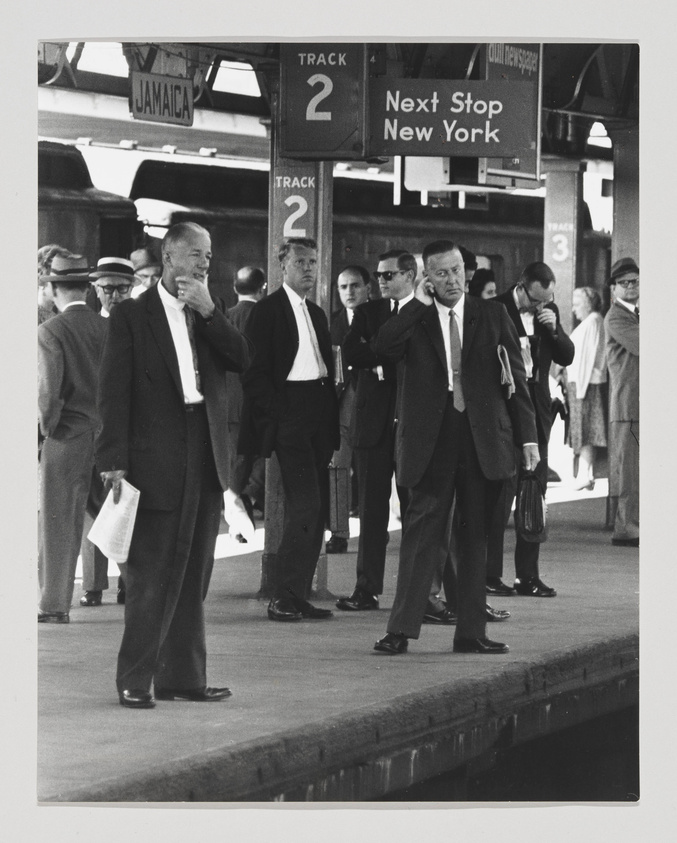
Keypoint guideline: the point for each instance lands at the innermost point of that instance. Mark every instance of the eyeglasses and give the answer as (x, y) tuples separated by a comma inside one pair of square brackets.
[(388, 274), (535, 303), (626, 282), (123, 289)]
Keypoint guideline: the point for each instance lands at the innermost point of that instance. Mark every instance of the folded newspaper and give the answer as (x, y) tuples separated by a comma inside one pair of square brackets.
[(112, 530), (506, 372)]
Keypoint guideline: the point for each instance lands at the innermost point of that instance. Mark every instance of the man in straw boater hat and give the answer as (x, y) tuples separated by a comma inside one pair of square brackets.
[(69, 350)]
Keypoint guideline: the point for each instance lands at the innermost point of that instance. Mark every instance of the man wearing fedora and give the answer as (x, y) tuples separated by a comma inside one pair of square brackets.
[(147, 270), (621, 326), (69, 349), (113, 281)]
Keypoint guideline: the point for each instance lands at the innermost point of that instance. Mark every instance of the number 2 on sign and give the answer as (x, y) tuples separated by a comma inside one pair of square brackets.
[(302, 207), (327, 87)]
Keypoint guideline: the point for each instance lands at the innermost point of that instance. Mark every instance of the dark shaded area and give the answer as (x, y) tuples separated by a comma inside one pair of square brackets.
[(597, 761)]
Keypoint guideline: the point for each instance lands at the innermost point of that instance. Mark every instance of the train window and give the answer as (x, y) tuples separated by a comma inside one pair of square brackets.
[(56, 169)]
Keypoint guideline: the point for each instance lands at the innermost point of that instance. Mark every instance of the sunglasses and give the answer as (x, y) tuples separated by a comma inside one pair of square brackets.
[(122, 289), (388, 274)]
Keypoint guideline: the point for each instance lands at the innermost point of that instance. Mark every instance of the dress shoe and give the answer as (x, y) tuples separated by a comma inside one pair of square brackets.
[(479, 645), (53, 617), (359, 601), (495, 585), (283, 610), (307, 610), (444, 616), (392, 643), (625, 542), (137, 699), (533, 587), (91, 598), (336, 544), (193, 694), (497, 614)]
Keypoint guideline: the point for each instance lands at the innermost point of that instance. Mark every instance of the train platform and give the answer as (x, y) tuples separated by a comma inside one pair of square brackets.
[(316, 714)]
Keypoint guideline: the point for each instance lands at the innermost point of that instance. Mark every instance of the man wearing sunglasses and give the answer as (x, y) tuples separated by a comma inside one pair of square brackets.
[(622, 347), (530, 305), (372, 433)]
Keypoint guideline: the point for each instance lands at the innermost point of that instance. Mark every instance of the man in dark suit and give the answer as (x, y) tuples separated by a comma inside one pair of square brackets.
[(543, 341), (353, 290), (290, 408), (247, 474), (162, 402), (455, 438), (372, 432), (621, 325), (69, 349)]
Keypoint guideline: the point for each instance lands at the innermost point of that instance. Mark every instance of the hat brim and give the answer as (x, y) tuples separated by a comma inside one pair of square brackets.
[(66, 279), (104, 274)]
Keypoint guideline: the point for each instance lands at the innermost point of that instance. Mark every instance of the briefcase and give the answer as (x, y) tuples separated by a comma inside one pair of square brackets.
[(339, 499), (530, 509)]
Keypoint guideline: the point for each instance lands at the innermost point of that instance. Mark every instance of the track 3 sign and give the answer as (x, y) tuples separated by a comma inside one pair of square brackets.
[(447, 117), (322, 100)]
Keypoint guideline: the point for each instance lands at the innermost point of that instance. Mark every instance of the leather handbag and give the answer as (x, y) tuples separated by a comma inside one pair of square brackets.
[(531, 509)]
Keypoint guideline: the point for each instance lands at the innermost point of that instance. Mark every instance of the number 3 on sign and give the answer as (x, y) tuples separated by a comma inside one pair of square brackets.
[(561, 243), (301, 209), (327, 87)]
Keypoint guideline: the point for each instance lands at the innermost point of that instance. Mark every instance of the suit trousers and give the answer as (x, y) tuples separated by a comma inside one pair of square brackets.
[(66, 471), (168, 572), (343, 458), (246, 473), (453, 473), (624, 477), (303, 445), (375, 467)]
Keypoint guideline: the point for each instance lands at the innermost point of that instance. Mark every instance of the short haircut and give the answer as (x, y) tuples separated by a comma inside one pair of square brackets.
[(405, 261), (438, 247), (80, 287), (538, 271), (179, 232), (479, 281), (356, 269), (469, 259), (304, 242), (249, 280), (592, 296)]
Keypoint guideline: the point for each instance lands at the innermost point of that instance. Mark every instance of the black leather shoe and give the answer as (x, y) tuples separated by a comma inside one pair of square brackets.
[(497, 614), (137, 699), (91, 598), (479, 645), (336, 544), (53, 617), (444, 616), (495, 585), (283, 610), (625, 542), (313, 612), (359, 601), (392, 643), (533, 587), (193, 694)]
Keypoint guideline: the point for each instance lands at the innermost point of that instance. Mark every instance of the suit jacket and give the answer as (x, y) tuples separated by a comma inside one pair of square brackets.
[(622, 348), (375, 399), (497, 424), (272, 330), (69, 350), (546, 350), (141, 400), (238, 315)]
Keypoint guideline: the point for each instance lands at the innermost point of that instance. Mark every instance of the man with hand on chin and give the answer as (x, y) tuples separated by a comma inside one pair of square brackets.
[(454, 440), (162, 403)]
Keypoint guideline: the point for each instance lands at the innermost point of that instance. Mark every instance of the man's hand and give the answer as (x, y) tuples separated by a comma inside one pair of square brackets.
[(530, 457), (195, 294), (547, 318), (112, 480), (422, 292)]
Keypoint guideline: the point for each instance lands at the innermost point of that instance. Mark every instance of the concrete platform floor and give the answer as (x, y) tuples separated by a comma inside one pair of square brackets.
[(289, 679)]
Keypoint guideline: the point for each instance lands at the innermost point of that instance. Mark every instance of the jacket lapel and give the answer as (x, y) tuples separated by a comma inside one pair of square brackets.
[(431, 323), (471, 314), (159, 326)]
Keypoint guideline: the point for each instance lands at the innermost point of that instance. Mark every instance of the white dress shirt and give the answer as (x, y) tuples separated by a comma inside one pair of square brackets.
[(308, 363), (443, 312), (184, 353)]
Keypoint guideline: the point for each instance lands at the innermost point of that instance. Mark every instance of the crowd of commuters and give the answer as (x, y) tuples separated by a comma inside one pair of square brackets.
[(146, 378)]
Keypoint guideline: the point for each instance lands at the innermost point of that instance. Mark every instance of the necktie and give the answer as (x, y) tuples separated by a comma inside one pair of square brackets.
[(190, 325), (637, 312), (455, 342), (322, 369), (395, 308)]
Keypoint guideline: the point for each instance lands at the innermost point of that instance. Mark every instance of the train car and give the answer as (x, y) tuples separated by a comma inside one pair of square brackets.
[(77, 215)]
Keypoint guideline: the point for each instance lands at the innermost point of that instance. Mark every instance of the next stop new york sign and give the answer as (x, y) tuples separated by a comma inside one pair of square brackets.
[(447, 117)]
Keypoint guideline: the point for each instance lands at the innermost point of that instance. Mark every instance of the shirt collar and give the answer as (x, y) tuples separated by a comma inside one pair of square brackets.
[(71, 303), (458, 308), (167, 298), (630, 307), (294, 298), (402, 302)]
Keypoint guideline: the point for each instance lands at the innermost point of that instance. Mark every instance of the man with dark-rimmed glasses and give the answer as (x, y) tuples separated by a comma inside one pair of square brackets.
[(372, 433)]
